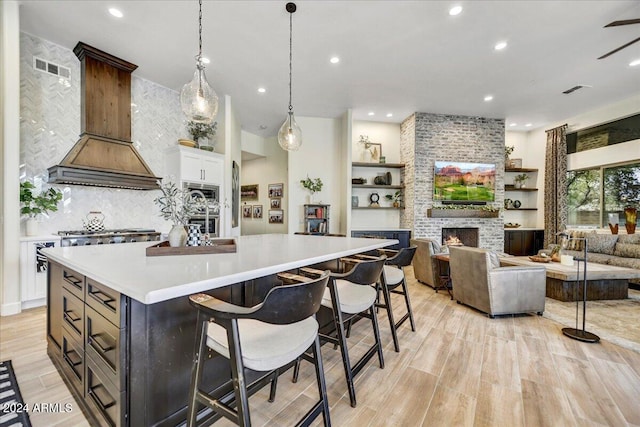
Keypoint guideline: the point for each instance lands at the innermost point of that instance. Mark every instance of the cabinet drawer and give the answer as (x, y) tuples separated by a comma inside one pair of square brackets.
[(104, 396), (73, 281), (105, 301), (104, 345), (73, 360), (73, 314)]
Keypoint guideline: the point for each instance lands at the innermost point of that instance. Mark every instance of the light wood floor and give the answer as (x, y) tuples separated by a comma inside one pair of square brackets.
[(460, 368)]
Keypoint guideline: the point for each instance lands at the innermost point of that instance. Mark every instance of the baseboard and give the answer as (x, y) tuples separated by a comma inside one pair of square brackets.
[(34, 303), (10, 309)]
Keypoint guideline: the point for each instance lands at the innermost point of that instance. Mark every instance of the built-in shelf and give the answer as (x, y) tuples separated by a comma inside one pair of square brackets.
[(512, 188), (377, 208), (377, 165), (521, 170), (522, 209), (390, 187)]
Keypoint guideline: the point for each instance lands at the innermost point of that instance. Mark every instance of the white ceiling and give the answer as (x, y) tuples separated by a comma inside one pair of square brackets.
[(396, 56)]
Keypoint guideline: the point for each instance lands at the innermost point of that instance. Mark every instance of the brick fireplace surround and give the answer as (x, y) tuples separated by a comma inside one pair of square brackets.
[(426, 138)]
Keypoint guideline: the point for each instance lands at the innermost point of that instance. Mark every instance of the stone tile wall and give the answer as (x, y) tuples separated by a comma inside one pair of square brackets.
[(425, 138)]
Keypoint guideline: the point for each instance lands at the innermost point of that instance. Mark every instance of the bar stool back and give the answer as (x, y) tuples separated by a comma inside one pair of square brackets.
[(262, 338)]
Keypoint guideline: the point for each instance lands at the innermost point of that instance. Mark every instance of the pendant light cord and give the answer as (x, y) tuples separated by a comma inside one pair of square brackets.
[(200, 33), (290, 55)]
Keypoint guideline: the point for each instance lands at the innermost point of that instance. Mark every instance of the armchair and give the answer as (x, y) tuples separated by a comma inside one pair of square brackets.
[(425, 268), (480, 282)]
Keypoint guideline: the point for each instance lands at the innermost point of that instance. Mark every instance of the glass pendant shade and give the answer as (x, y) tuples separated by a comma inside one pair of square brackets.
[(290, 135), (198, 99)]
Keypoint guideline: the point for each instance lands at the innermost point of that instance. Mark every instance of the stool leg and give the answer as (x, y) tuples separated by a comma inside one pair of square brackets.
[(322, 386), (376, 333), (405, 290), (274, 384), (342, 342), (296, 371), (196, 370), (237, 373), (392, 324)]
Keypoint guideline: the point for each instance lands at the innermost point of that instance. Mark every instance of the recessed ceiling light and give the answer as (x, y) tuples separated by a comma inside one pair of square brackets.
[(205, 60), (115, 12), (261, 90), (513, 124), (263, 127), (500, 45), (371, 113), (634, 63), (389, 115), (528, 125), (334, 60), (488, 98), (455, 10)]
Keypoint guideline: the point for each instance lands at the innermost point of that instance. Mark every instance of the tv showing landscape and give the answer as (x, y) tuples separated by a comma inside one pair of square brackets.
[(461, 182)]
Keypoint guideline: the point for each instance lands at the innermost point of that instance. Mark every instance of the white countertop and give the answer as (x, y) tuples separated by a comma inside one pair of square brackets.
[(126, 268)]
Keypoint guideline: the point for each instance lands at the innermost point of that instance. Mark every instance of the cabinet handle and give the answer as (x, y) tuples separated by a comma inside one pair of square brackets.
[(70, 278), (93, 339), (71, 363), (68, 316), (103, 298), (97, 400)]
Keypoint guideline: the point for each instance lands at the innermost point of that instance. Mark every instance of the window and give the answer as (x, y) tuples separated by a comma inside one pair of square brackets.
[(595, 193)]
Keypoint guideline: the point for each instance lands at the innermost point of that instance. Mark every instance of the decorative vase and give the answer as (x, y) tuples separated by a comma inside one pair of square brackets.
[(613, 223), (631, 216), (32, 227), (177, 236), (193, 235)]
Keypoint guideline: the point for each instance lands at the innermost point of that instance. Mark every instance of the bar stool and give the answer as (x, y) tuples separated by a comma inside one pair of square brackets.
[(262, 338), (393, 277), (349, 295)]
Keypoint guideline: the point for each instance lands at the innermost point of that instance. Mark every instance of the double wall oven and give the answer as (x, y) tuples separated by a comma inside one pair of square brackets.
[(212, 196)]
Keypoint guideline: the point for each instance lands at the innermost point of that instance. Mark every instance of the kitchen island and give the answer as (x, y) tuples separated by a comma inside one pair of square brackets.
[(120, 328)]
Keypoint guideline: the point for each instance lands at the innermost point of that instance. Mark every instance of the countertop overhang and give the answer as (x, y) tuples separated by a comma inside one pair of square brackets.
[(126, 268)]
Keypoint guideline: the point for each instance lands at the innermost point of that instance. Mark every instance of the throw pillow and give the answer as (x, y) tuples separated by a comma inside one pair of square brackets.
[(627, 250), (633, 239), (494, 260), (602, 243), (435, 247)]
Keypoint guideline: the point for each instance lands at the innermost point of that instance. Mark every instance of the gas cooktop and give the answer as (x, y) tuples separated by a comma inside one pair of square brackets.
[(122, 231)]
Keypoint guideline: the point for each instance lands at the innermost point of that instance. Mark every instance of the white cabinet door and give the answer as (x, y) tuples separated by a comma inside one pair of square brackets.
[(212, 170), (191, 167), (33, 273)]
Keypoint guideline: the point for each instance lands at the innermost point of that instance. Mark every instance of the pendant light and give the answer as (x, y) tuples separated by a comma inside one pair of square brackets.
[(198, 99), (290, 135)]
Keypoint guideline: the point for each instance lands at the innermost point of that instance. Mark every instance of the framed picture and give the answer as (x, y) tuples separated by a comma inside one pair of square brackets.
[(275, 203), (235, 194), (276, 216), (276, 190), (246, 211), (249, 192), (257, 211), (516, 163)]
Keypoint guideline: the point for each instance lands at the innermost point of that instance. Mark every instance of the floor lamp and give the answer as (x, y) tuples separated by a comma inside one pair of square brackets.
[(575, 333)]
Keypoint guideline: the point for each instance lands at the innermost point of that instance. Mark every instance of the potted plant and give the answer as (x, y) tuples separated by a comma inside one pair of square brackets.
[(396, 198), (32, 205), (313, 185), (202, 131), (507, 152), (178, 206), (520, 180)]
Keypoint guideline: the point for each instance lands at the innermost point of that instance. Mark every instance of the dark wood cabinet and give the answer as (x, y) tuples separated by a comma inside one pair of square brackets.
[(523, 242), (403, 236)]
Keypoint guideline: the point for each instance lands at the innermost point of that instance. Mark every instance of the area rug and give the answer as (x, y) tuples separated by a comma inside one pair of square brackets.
[(617, 321), (12, 408)]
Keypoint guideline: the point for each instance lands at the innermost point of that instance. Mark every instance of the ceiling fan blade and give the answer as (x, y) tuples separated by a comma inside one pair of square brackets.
[(620, 48), (623, 22)]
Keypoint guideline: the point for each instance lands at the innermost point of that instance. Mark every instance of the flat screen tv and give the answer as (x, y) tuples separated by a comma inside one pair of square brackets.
[(464, 183)]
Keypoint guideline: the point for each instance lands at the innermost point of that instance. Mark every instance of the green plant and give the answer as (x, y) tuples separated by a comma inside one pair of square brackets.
[(313, 185), (508, 150), (201, 130), (395, 197), (521, 177), (33, 205), (454, 206), (177, 205)]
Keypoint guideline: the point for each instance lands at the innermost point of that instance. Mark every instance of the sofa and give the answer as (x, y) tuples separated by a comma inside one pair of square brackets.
[(480, 282), (425, 268), (620, 250)]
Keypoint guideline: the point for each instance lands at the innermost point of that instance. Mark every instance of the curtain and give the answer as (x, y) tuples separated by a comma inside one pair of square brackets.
[(555, 184)]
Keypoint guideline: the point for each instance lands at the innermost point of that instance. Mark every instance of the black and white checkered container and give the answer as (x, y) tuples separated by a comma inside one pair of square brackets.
[(193, 235)]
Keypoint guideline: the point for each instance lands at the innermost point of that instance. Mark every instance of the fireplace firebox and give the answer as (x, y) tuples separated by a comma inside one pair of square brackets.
[(460, 236)]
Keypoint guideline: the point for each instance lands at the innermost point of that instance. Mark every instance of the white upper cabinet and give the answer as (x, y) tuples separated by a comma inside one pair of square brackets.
[(194, 165)]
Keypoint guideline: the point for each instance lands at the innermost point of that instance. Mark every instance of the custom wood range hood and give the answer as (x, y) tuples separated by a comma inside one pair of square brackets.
[(104, 156)]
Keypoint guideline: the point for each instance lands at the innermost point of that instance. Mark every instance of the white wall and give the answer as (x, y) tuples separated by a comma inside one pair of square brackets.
[(9, 157), (387, 134), (533, 150), (270, 169), (233, 152), (319, 157)]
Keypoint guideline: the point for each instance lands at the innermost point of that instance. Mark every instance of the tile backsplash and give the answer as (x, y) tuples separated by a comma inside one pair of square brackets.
[(50, 126)]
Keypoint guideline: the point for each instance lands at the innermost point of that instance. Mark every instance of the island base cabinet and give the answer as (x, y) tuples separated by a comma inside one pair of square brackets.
[(104, 397), (73, 363)]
